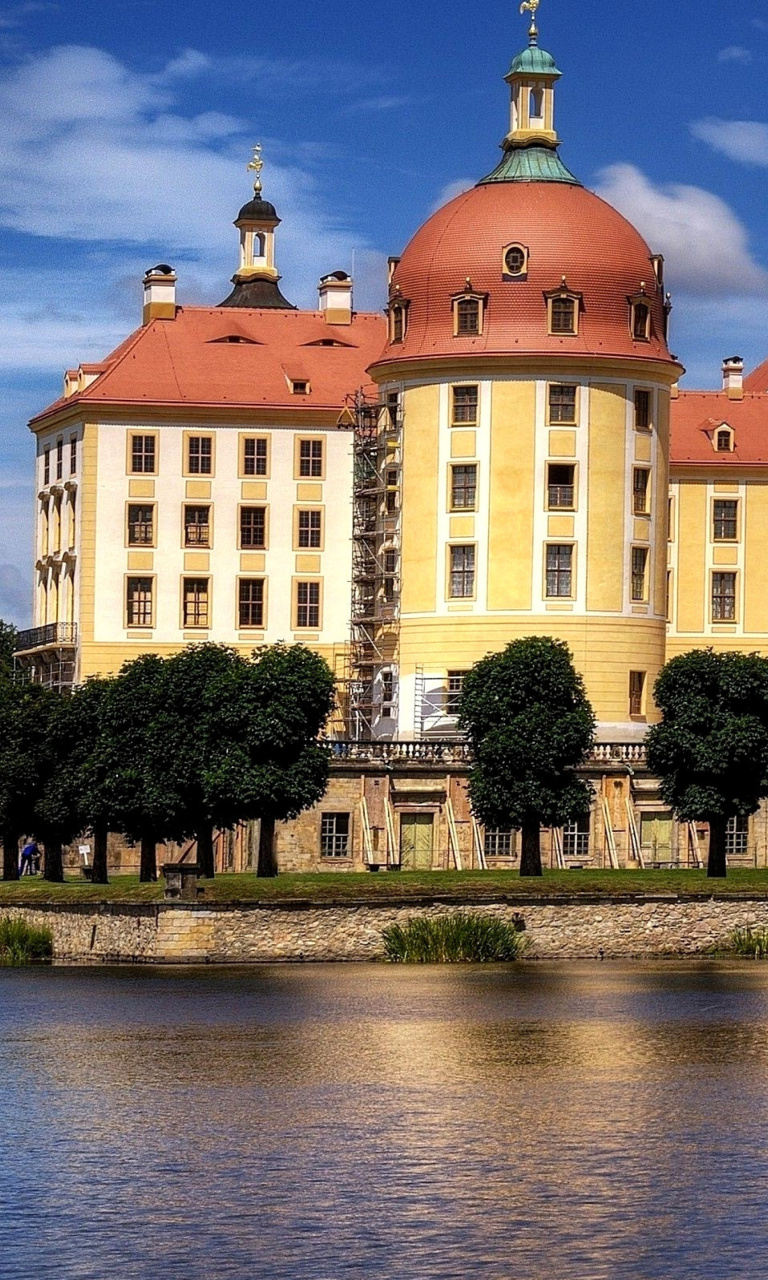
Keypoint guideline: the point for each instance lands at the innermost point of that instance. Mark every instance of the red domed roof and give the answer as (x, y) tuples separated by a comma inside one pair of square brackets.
[(569, 232)]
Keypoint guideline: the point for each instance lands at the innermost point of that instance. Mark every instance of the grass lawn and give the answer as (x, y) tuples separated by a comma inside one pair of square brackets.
[(468, 885)]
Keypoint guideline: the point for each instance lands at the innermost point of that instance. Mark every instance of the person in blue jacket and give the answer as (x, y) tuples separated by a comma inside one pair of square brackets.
[(29, 858)]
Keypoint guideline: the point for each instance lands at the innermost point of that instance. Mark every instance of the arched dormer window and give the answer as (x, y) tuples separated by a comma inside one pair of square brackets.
[(257, 246), (563, 311), (398, 320), (640, 317), (536, 105), (468, 314), (724, 439)]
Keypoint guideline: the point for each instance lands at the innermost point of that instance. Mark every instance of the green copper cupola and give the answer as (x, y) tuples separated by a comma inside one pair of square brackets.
[(530, 147)]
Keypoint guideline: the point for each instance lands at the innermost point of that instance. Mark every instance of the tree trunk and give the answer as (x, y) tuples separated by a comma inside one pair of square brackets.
[(716, 866), (53, 867), (99, 875), (267, 860), (205, 851), (10, 854), (148, 866), (530, 857)]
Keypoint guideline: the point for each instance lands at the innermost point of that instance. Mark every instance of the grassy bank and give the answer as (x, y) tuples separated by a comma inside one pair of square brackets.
[(471, 886)]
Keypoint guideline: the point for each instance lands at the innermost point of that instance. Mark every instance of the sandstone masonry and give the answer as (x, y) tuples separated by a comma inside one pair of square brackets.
[(270, 932)]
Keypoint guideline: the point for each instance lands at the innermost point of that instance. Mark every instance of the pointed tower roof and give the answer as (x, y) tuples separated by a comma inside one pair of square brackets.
[(257, 281)]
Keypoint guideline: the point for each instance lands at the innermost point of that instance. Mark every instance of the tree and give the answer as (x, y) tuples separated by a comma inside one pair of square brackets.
[(530, 725), (8, 634), (711, 747), (83, 775), (25, 715)]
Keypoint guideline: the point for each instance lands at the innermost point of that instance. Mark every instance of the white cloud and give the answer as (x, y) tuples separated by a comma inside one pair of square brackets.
[(705, 245), (734, 53), (742, 140), (452, 190)]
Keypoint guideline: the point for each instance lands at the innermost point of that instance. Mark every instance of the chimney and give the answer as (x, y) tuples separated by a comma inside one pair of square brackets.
[(160, 294), (336, 298), (733, 378)]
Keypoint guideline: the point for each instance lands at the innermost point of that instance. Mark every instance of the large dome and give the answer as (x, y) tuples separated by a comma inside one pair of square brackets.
[(568, 232)]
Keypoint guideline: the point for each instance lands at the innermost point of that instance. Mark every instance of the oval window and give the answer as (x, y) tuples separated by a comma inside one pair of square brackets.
[(515, 260)]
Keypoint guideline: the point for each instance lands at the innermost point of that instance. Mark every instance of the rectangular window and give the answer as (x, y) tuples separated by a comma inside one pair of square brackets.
[(393, 407), (311, 458), (640, 478), (197, 527), (576, 839), (308, 605), (300, 388), (143, 455), (563, 315), (560, 486), (562, 404), (253, 526), (636, 692), (668, 614), (196, 607), (737, 836), (498, 844), (138, 601), (387, 691), (723, 597), (464, 411), (463, 487), (200, 455), (467, 316), (141, 525), (453, 693), (73, 455), (251, 602), (310, 529), (59, 459), (559, 571), (642, 410), (334, 835), (254, 457), (639, 574), (726, 512), (462, 573), (47, 467)]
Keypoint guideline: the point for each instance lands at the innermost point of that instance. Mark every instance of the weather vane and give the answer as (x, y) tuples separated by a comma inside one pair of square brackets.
[(530, 6), (257, 164)]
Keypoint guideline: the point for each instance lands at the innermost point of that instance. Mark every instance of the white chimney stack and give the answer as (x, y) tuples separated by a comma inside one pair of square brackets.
[(335, 293), (733, 378), (160, 293)]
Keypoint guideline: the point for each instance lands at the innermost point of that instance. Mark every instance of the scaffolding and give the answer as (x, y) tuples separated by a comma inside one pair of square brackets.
[(375, 612)]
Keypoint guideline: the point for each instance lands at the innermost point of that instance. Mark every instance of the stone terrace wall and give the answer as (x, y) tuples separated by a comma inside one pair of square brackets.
[(263, 933)]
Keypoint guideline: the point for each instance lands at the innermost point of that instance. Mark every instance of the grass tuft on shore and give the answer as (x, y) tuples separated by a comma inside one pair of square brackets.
[(21, 943), (749, 942), (463, 938)]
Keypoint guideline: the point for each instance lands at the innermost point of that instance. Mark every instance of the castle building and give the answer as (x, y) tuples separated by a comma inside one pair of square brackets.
[(506, 453)]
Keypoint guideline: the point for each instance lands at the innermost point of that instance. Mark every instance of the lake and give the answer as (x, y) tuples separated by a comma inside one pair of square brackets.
[(541, 1122)]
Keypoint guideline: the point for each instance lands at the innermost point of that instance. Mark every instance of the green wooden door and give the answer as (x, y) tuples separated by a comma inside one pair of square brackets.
[(656, 836), (416, 833)]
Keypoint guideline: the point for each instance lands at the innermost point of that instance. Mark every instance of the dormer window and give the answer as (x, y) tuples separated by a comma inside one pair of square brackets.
[(640, 318), (515, 262), (657, 262), (468, 315), (563, 308), (398, 321), (299, 387), (724, 442)]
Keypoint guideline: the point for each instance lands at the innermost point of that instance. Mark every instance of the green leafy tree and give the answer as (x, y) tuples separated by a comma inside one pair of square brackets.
[(530, 725), (711, 747), (84, 773), (25, 717), (8, 634)]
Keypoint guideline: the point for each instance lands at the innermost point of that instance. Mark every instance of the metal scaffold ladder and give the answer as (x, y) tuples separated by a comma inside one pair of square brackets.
[(610, 836), (634, 835), (453, 835)]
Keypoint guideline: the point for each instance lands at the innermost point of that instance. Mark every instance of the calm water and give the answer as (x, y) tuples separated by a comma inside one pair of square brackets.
[(581, 1122)]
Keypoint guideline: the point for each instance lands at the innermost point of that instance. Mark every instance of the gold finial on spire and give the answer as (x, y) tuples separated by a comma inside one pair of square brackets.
[(530, 6), (257, 164)]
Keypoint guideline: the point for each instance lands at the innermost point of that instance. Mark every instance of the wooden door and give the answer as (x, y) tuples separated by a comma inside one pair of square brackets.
[(656, 836), (416, 841)]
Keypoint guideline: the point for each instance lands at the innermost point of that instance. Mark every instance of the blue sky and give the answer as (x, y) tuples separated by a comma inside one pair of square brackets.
[(126, 128)]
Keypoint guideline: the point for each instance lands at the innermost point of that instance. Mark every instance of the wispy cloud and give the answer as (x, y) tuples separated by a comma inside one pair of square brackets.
[(452, 190), (734, 53), (15, 15), (384, 102), (742, 140), (705, 244)]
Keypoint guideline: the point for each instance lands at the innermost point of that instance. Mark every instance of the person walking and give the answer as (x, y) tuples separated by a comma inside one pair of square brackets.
[(29, 858)]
